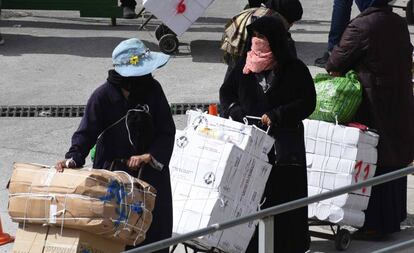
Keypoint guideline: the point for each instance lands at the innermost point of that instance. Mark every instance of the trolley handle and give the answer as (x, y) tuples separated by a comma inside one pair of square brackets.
[(246, 121), (124, 162)]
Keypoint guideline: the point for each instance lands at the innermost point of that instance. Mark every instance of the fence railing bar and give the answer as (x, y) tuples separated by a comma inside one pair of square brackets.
[(272, 211), (396, 247)]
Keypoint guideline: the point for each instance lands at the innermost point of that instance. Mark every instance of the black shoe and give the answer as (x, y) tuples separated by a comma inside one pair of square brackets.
[(1, 40), (321, 62), (128, 13)]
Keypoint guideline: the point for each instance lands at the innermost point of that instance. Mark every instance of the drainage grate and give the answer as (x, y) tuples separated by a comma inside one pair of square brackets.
[(181, 108), (72, 111), (61, 111)]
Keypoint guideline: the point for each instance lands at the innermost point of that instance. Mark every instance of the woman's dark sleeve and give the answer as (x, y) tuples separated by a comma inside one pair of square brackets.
[(347, 53), (293, 112), (90, 127), (163, 144), (228, 93)]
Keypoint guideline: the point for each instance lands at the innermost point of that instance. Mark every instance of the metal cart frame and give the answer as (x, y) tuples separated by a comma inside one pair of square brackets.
[(167, 39), (340, 235)]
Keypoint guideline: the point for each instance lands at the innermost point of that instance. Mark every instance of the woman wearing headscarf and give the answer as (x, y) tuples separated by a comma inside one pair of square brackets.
[(376, 44), (236, 40), (272, 84), (129, 118)]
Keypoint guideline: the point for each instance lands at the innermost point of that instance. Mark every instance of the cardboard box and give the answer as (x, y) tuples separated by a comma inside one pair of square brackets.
[(212, 181), (249, 138), (80, 212), (43, 239), (97, 201)]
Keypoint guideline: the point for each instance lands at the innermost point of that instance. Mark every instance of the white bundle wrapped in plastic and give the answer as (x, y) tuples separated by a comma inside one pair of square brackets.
[(339, 156), (213, 180), (178, 15)]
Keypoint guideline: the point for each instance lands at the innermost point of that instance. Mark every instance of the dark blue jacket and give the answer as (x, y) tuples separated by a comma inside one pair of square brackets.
[(106, 106)]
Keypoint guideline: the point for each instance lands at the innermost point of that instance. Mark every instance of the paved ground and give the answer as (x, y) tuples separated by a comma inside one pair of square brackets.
[(53, 58)]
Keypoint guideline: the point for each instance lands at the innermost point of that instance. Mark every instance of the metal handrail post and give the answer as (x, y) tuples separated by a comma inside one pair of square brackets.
[(272, 211), (395, 247), (266, 232)]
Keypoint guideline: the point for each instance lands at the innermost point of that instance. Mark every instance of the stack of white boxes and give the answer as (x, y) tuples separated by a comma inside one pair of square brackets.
[(178, 22), (339, 156), (218, 173)]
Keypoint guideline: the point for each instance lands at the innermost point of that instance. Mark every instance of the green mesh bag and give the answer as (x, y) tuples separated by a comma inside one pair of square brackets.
[(92, 153), (337, 98)]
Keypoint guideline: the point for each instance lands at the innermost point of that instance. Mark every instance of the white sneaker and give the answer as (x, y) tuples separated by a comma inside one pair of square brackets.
[(129, 13)]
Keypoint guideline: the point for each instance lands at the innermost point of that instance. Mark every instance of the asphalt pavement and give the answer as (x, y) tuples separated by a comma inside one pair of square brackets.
[(59, 58)]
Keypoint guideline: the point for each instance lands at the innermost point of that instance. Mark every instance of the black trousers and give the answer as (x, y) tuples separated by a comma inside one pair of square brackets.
[(387, 206), (291, 231)]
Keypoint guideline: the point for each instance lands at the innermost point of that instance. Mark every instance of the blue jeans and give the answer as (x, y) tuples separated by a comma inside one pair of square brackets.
[(341, 14)]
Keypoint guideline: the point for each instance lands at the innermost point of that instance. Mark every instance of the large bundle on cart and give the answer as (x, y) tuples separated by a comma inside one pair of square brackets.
[(218, 173), (339, 156), (110, 204)]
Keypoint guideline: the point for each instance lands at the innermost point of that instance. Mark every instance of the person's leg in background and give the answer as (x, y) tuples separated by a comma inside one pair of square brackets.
[(341, 14), (1, 37), (363, 4), (128, 8)]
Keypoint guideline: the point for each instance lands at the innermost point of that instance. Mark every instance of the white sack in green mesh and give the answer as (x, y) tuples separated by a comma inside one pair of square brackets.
[(337, 98)]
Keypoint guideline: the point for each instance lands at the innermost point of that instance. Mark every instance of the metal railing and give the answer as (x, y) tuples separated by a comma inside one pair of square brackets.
[(398, 246), (266, 215)]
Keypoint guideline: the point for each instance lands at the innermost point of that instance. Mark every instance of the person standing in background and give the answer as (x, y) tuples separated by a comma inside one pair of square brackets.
[(341, 14), (376, 44), (128, 8)]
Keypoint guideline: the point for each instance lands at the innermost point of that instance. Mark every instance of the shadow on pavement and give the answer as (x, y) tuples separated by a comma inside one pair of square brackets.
[(358, 246), (105, 24), (82, 46), (207, 51), (309, 51)]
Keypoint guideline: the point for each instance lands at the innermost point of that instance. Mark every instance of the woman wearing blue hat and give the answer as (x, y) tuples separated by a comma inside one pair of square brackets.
[(129, 119)]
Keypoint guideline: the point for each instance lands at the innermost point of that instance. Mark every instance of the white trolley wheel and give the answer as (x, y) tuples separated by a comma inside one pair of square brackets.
[(162, 30), (168, 43), (342, 240)]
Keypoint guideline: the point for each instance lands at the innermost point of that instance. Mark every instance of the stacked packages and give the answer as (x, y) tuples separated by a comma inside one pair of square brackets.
[(113, 205), (339, 156), (178, 15), (218, 173)]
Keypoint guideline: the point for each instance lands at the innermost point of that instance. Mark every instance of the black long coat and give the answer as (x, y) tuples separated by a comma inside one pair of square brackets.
[(106, 106), (291, 99), (377, 45)]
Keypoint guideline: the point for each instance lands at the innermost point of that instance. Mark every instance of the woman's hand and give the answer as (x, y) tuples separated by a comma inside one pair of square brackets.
[(335, 74), (137, 161), (266, 120), (67, 163), (60, 166)]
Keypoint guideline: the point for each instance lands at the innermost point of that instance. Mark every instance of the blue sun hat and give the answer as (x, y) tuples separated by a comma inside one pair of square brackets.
[(132, 58)]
